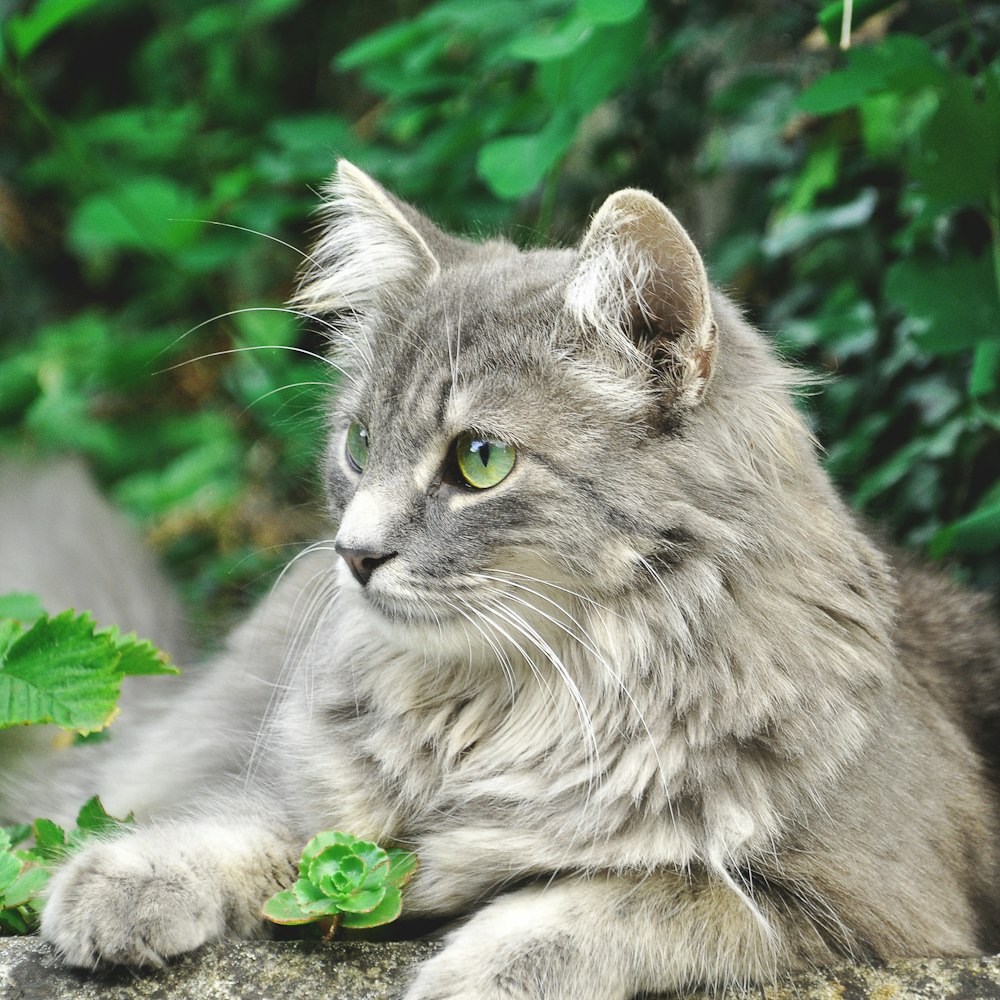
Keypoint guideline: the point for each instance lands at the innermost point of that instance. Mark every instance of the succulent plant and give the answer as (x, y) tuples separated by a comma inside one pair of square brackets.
[(344, 882)]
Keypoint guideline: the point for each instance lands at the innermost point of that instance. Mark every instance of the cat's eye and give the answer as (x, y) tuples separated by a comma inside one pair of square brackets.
[(357, 445), (483, 463)]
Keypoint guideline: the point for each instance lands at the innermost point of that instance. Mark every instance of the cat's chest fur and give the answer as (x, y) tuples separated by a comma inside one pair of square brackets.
[(514, 765)]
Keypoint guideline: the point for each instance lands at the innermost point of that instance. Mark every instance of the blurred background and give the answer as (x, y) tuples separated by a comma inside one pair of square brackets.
[(160, 163)]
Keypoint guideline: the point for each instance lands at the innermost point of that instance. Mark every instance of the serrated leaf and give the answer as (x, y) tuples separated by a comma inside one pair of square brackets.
[(50, 840), (59, 672), (139, 657), (26, 887), (387, 910), (10, 869), (93, 819)]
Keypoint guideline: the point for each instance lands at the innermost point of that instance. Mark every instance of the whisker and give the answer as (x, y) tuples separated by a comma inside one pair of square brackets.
[(253, 232)]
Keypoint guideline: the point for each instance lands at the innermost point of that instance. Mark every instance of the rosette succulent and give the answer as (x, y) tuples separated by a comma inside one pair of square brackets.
[(344, 882)]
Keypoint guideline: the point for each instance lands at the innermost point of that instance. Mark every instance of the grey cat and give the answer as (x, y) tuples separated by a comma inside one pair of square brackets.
[(596, 638)]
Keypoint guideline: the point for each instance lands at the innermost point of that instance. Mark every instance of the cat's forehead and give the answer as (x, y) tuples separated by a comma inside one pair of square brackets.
[(496, 301)]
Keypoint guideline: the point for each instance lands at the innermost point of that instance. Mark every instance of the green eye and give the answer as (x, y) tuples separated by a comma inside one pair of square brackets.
[(357, 445), (483, 463)]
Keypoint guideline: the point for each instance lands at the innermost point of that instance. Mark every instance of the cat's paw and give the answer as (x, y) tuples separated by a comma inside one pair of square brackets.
[(513, 950), (117, 903)]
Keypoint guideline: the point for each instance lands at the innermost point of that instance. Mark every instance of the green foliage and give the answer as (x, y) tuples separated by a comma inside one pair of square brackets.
[(850, 199), (24, 873), (344, 882), (64, 670)]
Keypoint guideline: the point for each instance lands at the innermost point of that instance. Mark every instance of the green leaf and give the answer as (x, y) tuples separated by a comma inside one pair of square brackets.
[(976, 532), (388, 43), (10, 869), (27, 886), (283, 908), (515, 165), (11, 836), (28, 31), (959, 157), (402, 865), (60, 671), (985, 377), (94, 820), (949, 306), (50, 840), (791, 232), (22, 607), (540, 46), (387, 910), (138, 657), (152, 214), (596, 70), (609, 11), (362, 901), (900, 62)]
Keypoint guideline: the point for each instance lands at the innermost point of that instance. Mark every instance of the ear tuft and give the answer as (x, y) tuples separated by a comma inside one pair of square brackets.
[(369, 255), (641, 284)]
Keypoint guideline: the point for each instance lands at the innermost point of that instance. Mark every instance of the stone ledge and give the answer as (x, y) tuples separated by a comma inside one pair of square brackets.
[(302, 970)]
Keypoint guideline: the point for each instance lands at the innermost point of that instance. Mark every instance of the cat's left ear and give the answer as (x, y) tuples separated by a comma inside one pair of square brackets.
[(640, 281), (376, 252)]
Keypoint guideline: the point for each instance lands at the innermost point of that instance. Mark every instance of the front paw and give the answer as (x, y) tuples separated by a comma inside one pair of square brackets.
[(482, 962), (117, 903)]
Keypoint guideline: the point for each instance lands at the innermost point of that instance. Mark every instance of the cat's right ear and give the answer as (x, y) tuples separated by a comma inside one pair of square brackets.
[(640, 288), (375, 252)]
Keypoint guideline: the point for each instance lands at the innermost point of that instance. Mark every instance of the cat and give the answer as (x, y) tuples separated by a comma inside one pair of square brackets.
[(595, 636)]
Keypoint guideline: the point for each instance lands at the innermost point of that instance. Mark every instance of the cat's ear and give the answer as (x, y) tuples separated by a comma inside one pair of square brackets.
[(641, 281), (374, 252)]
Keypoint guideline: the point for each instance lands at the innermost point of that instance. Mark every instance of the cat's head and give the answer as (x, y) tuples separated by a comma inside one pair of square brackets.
[(517, 427)]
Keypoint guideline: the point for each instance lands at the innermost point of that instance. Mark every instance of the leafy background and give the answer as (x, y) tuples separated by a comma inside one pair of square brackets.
[(159, 163)]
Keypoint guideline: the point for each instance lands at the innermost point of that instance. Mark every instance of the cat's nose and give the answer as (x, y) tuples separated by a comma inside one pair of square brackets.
[(362, 562)]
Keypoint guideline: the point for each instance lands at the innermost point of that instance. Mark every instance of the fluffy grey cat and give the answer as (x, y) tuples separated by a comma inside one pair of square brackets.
[(596, 638)]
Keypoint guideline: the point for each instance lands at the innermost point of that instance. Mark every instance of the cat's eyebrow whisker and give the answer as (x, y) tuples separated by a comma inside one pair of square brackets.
[(261, 347), (282, 388), (288, 310), (253, 232)]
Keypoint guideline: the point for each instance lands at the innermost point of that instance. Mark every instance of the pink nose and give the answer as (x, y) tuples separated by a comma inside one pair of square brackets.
[(363, 562)]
